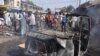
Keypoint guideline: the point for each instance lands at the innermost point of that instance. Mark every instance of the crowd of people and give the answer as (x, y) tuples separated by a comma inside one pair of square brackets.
[(22, 21)]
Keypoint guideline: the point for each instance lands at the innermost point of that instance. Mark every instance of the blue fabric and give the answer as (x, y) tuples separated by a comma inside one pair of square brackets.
[(64, 19)]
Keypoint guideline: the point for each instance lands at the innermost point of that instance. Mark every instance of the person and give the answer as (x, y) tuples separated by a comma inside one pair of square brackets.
[(7, 18), (38, 20), (46, 21), (26, 16), (32, 21), (42, 20), (49, 19), (56, 22), (23, 24), (12, 20), (74, 22), (17, 21), (63, 22), (61, 16), (74, 19)]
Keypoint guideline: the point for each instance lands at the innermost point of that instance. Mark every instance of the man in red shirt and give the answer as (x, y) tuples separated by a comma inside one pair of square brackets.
[(49, 18)]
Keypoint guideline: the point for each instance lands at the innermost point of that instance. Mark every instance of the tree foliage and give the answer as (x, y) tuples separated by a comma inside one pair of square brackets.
[(67, 9)]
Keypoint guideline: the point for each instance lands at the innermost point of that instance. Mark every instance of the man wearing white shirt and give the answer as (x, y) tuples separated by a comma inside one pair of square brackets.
[(32, 22), (7, 18)]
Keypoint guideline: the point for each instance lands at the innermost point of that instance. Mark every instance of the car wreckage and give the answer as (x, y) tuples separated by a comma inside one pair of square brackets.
[(84, 41)]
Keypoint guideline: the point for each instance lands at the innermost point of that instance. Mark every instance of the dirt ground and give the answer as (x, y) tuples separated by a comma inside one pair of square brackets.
[(9, 46)]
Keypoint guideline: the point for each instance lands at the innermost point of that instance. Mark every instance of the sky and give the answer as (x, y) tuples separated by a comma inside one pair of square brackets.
[(57, 3)]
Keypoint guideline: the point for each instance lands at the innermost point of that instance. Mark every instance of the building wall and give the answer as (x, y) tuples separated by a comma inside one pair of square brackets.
[(1, 2), (27, 7), (17, 4), (13, 3)]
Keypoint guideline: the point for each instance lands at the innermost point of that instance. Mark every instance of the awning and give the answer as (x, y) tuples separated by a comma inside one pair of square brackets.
[(3, 6), (13, 9)]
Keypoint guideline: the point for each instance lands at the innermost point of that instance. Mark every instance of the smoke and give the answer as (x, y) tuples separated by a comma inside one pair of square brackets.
[(94, 14), (93, 2)]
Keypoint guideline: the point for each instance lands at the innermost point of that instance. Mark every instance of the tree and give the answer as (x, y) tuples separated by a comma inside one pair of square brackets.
[(67, 9)]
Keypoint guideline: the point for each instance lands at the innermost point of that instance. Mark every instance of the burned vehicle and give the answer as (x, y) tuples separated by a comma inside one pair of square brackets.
[(84, 40), (80, 25), (93, 12), (72, 45)]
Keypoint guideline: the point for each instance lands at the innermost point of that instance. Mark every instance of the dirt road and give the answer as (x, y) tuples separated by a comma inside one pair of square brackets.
[(9, 46)]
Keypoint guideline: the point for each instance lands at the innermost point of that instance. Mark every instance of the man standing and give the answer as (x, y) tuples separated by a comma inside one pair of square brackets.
[(12, 20), (63, 23), (38, 20), (32, 21), (23, 24), (17, 20), (7, 18), (49, 18)]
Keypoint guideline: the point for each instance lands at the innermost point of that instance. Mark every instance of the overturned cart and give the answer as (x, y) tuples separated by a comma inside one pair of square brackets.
[(55, 43)]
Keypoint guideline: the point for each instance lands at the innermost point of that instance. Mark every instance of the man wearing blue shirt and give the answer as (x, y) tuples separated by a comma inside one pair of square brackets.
[(63, 23)]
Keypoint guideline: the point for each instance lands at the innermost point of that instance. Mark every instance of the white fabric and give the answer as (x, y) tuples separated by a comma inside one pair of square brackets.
[(57, 16), (62, 42), (32, 19), (74, 20), (61, 17), (11, 14), (42, 17), (23, 24), (7, 19), (2, 21), (17, 16), (73, 24)]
